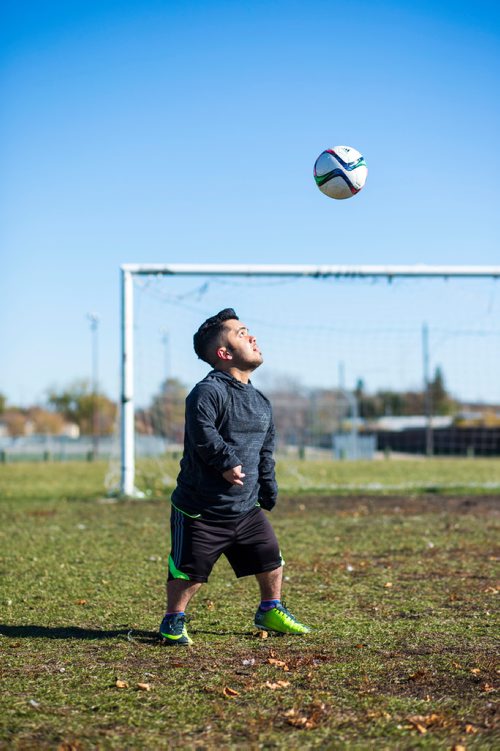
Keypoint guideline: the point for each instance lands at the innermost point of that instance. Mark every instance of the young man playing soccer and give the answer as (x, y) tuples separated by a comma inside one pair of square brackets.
[(226, 479)]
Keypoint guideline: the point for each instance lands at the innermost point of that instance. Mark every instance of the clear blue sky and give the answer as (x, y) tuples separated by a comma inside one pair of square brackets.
[(187, 132)]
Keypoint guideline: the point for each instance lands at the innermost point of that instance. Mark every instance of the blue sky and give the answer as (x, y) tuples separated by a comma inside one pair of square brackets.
[(187, 132)]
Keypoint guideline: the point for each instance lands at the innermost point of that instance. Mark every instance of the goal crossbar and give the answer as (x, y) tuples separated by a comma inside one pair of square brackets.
[(337, 270), (128, 271)]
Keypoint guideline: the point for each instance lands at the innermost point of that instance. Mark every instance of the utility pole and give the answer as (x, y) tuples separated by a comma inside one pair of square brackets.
[(429, 436), (352, 402), (164, 412), (94, 328), (165, 341)]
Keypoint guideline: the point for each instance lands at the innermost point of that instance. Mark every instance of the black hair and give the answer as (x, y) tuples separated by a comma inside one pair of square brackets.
[(208, 333)]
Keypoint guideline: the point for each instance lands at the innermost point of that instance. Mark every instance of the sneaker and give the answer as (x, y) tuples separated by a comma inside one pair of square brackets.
[(279, 619), (173, 630)]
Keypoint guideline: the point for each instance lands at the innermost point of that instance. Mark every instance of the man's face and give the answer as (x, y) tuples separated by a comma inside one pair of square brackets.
[(240, 347)]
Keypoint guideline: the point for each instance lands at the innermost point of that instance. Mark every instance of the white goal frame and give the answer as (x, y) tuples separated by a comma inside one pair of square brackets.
[(128, 271)]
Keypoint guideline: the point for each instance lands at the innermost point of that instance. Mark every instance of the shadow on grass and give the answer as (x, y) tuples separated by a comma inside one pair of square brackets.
[(221, 632), (75, 632)]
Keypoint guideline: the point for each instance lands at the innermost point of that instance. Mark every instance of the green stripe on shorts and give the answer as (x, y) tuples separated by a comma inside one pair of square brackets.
[(175, 571)]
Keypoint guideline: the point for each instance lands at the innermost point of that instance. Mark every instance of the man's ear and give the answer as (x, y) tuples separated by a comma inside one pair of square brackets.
[(223, 353)]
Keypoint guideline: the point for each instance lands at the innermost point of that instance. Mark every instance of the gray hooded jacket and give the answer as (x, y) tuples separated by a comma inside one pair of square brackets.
[(228, 423)]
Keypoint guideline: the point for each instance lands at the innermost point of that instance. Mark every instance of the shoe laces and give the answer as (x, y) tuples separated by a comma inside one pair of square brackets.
[(180, 617), (177, 621), (283, 608)]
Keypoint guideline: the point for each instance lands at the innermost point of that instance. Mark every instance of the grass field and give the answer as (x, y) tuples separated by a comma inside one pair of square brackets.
[(400, 590)]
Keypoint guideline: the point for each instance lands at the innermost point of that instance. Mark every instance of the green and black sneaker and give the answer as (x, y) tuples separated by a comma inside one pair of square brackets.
[(279, 619), (173, 629)]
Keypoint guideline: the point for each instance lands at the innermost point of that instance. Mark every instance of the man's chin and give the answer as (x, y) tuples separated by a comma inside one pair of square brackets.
[(255, 362)]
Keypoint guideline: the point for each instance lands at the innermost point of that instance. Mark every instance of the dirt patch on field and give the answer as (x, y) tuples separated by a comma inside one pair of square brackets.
[(487, 505)]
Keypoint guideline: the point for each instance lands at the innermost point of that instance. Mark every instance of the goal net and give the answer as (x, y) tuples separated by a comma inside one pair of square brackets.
[(356, 367)]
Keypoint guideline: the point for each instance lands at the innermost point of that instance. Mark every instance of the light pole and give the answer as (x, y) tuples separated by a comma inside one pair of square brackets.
[(165, 342), (428, 406), (94, 328)]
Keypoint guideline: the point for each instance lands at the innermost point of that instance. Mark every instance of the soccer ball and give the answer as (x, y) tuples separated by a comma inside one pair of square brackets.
[(340, 172)]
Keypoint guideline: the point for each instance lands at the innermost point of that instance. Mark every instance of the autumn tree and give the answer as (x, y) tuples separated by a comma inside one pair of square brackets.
[(45, 422), (165, 415), (77, 403), (16, 422)]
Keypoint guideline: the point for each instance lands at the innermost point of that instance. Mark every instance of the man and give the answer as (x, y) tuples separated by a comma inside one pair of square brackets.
[(226, 479)]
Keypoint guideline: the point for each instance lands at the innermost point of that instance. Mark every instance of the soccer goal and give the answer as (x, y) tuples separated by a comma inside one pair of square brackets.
[(360, 362)]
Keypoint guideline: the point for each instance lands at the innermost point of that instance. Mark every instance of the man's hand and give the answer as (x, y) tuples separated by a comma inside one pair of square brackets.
[(234, 476), (267, 503)]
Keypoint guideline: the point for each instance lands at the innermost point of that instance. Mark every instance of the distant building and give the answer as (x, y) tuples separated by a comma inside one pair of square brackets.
[(409, 422)]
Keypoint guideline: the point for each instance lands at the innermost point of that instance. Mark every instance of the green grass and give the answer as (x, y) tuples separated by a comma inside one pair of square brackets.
[(87, 480), (404, 666)]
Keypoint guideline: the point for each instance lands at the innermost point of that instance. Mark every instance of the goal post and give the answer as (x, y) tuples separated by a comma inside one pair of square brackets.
[(345, 271)]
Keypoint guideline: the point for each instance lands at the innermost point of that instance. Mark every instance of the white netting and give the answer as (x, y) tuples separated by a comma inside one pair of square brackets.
[(312, 329), (343, 357)]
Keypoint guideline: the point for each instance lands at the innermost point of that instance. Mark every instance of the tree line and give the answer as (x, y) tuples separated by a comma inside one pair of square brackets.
[(75, 406), (301, 414)]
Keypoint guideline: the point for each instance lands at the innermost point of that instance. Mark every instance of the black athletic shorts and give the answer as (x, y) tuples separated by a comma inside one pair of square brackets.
[(249, 544)]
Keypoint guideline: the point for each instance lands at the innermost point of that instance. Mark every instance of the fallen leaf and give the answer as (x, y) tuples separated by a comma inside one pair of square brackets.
[(262, 634), (458, 747), (121, 684), (302, 720), (487, 688), (422, 722), (278, 663), (278, 684), (230, 692), (475, 671), (81, 602), (421, 728), (418, 675), (470, 729), (388, 585), (144, 686)]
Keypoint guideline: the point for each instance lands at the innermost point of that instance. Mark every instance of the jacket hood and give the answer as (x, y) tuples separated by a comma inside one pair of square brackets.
[(221, 375)]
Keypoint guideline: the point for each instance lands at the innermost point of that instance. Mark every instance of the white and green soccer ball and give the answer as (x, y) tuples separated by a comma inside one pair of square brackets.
[(340, 172)]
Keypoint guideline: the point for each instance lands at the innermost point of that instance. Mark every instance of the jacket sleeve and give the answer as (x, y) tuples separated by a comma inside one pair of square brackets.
[(268, 492), (203, 411)]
